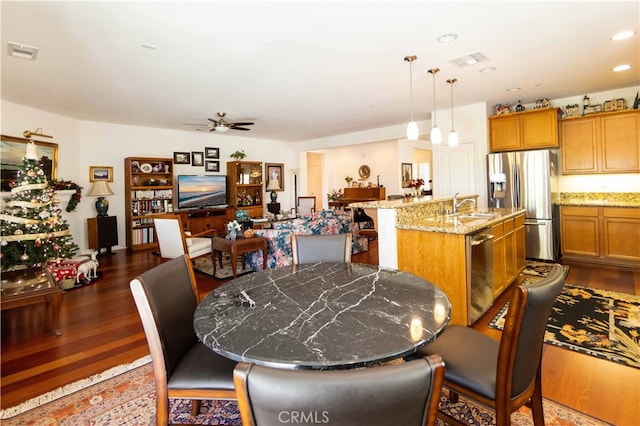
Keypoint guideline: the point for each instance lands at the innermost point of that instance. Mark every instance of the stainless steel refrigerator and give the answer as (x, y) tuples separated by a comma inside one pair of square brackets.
[(528, 179)]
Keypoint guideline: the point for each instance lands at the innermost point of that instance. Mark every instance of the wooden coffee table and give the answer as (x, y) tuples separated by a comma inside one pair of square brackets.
[(236, 247), (22, 288)]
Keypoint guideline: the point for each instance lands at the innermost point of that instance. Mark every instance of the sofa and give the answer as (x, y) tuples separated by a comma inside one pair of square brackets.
[(322, 222)]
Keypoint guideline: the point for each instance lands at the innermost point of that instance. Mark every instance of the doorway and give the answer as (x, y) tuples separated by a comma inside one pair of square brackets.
[(314, 177)]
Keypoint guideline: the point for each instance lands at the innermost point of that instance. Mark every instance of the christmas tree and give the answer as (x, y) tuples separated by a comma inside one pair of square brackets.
[(32, 229)]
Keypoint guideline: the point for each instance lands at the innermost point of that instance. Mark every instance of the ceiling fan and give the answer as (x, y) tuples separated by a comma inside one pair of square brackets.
[(221, 125)]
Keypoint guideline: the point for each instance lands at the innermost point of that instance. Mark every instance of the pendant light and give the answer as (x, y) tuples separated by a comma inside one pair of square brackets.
[(412, 127), (453, 136), (436, 134)]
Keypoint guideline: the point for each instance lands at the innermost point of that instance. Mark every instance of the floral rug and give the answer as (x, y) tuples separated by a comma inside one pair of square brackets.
[(128, 398), (600, 323), (204, 265)]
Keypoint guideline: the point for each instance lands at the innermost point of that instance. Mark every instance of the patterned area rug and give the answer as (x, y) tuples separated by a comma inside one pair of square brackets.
[(600, 323), (128, 399), (204, 265)]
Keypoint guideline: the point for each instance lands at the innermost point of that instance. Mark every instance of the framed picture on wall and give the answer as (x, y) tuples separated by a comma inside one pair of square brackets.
[(197, 158), (13, 150), (212, 166), (406, 170), (212, 152), (182, 157), (97, 173), (275, 177)]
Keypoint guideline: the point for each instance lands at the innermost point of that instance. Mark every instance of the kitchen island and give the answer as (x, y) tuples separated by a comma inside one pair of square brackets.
[(422, 237)]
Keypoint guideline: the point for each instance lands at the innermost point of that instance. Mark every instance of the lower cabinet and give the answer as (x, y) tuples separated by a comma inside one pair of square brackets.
[(601, 234), (508, 252)]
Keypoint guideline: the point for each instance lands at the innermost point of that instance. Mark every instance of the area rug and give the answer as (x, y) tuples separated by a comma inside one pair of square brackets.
[(204, 265), (600, 323), (128, 399)]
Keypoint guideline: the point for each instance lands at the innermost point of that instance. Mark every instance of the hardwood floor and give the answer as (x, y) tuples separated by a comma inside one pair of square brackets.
[(101, 329)]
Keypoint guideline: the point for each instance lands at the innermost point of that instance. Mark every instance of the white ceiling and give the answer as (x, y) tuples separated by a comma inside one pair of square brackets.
[(305, 70)]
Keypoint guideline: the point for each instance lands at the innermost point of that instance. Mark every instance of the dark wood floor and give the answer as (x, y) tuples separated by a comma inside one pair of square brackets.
[(101, 329)]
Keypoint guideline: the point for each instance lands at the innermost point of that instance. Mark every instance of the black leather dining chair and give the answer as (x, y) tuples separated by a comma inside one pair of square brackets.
[(182, 366), (321, 248), (399, 394), (502, 375)]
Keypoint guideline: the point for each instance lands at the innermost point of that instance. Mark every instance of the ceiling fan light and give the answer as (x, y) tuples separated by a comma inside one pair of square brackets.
[(412, 131), (221, 129), (453, 138), (436, 135)]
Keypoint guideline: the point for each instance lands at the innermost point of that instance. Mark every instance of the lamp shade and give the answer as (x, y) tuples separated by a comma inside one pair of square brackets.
[(273, 185), (436, 135), (100, 189)]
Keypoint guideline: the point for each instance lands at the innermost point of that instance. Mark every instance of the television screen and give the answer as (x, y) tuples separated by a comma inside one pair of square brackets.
[(198, 192)]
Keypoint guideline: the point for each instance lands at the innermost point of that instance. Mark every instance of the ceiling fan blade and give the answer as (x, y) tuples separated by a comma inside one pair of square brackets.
[(212, 120), (239, 128), (241, 123)]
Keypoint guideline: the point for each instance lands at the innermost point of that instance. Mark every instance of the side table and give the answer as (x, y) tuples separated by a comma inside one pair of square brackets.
[(102, 233), (236, 247), (26, 287)]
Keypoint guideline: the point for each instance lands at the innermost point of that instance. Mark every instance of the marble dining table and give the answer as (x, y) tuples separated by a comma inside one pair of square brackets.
[(321, 316)]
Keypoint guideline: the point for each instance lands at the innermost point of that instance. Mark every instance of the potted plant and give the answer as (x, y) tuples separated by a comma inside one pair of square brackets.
[(348, 179), (239, 155)]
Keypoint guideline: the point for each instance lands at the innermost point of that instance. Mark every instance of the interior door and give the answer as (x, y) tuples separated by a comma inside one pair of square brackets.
[(314, 178), (456, 170)]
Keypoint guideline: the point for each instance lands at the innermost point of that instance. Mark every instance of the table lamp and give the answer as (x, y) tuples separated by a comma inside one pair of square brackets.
[(273, 186), (101, 190)]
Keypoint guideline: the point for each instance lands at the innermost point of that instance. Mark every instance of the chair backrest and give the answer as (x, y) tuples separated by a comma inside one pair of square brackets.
[(399, 394), (166, 300), (170, 236), (306, 205), (321, 248), (520, 350)]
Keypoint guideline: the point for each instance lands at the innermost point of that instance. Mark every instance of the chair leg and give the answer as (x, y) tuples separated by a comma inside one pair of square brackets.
[(195, 407), (453, 396), (536, 401)]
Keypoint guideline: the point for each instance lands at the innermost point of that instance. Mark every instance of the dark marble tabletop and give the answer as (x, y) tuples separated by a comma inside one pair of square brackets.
[(323, 315)]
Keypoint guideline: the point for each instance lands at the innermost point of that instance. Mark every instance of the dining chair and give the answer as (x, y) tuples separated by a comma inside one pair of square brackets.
[(502, 375), (397, 394), (306, 205), (183, 368), (321, 248), (173, 241)]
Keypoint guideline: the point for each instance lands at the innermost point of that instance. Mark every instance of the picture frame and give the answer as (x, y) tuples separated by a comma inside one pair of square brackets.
[(274, 171), (13, 150), (197, 158), (212, 166), (406, 174), (212, 152), (97, 173), (182, 158)]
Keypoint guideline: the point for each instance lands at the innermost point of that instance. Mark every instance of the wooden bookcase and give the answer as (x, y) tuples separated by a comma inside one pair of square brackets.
[(246, 188), (148, 192)]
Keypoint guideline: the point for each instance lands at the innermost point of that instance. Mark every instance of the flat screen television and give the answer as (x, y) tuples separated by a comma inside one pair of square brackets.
[(201, 191)]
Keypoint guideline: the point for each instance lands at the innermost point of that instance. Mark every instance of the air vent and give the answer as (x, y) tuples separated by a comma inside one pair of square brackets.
[(22, 51), (472, 59)]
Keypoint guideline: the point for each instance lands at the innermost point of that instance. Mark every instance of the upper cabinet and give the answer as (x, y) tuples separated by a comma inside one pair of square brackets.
[(533, 129), (601, 143)]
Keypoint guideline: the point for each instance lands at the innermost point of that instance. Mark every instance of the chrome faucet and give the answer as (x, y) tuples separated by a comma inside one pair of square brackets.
[(457, 205)]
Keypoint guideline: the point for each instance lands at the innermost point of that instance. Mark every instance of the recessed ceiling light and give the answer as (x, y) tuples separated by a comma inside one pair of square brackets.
[(513, 89), (447, 38), (622, 67), (149, 46), (487, 69), (622, 35)]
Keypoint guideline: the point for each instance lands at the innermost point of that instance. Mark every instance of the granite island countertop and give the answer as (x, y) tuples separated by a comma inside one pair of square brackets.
[(463, 223)]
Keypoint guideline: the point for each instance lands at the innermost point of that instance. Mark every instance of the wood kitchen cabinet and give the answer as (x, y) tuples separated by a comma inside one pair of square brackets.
[(601, 143), (509, 258), (601, 234), (533, 129)]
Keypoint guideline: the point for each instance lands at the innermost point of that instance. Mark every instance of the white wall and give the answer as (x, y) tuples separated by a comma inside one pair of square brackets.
[(83, 143)]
